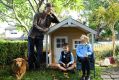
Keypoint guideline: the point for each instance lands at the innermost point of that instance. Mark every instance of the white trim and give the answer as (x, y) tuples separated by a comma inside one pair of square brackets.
[(71, 22), (50, 52), (57, 26), (72, 25), (46, 50), (59, 37), (73, 41), (92, 39), (84, 27), (56, 46)]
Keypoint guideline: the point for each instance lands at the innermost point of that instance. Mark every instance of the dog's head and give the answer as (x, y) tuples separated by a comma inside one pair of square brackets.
[(18, 62)]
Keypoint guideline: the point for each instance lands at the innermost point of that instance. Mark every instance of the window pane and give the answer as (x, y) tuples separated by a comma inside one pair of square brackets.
[(63, 41), (58, 45), (58, 40), (76, 42), (62, 45)]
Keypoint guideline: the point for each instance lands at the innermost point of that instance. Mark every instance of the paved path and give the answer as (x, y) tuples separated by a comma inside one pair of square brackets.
[(110, 74)]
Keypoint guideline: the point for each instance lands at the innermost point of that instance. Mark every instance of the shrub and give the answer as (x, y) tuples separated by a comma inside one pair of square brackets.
[(117, 54), (102, 54), (10, 50)]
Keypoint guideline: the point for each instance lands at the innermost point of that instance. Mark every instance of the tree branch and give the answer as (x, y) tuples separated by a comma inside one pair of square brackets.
[(6, 4), (36, 3), (3, 14), (66, 3), (26, 28), (39, 4), (31, 6)]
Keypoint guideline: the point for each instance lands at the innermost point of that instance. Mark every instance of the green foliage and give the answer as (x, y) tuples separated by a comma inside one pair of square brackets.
[(18, 11), (117, 53), (108, 16), (10, 50), (117, 26), (1, 8), (106, 34), (48, 74), (91, 5), (21, 12), (94, 4), (61, 5), (102, 54)]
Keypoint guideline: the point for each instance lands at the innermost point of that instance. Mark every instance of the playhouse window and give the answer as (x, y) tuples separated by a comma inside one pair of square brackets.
[(75, 43), (60, 42)]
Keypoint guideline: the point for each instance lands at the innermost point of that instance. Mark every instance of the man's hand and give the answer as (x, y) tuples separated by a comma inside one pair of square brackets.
[(46, 29)]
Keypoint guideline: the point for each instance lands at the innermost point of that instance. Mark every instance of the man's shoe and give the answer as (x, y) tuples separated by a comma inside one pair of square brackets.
[(82, 78), (87, 78)]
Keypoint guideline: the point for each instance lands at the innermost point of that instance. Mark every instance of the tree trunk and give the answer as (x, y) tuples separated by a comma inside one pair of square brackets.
[(113, 41)]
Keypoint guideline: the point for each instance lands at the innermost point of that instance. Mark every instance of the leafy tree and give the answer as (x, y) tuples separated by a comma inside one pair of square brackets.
[(109, 16), (19, 11), (22, 11), (90, 6)]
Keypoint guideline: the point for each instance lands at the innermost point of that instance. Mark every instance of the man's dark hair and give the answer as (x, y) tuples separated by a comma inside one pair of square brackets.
[(48, 5)]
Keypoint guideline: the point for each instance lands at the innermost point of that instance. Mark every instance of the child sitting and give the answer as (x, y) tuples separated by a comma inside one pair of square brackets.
[(66, 61)]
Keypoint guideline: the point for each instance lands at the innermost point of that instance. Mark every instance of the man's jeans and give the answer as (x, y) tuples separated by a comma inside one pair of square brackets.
[(35, 49)]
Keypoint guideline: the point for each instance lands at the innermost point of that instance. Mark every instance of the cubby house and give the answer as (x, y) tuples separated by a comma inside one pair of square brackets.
[(67, 31)]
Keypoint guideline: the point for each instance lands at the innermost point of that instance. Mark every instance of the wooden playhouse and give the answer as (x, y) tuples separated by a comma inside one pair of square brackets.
[(67, 31)]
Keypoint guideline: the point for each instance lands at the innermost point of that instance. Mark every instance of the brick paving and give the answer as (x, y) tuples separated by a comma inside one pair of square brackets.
[(110, 74)]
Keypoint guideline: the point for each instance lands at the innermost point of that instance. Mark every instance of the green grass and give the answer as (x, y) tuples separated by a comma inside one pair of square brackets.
[(47, 74)]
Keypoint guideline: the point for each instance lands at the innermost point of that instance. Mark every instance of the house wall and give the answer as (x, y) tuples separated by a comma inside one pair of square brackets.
[(70, 32)]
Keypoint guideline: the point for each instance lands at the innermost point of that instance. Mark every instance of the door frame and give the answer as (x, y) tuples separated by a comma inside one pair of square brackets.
[(66, 37)]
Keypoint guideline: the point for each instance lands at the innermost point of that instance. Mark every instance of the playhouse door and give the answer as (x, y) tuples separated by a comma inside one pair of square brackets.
[(58, 42)]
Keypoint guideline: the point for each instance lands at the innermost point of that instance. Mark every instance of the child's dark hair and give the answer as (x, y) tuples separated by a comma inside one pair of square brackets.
[(65, 44)]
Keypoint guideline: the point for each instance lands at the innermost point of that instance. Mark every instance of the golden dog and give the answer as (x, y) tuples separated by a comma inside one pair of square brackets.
[(19, 67)]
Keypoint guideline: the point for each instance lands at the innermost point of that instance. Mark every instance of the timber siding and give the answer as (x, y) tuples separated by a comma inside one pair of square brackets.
[(70, 28), (70, 32)]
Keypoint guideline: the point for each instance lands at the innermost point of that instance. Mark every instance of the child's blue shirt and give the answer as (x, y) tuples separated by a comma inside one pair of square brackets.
[(84, 50)]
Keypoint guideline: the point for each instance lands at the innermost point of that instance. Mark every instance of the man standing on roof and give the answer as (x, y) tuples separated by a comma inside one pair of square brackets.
[(41, 24)]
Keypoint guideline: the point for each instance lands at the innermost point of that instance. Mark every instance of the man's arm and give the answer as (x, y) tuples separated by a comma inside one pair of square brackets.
[(54, 19), (35, 22)]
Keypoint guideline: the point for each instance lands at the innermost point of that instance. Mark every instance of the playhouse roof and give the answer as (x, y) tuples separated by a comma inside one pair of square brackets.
[(69, 22)]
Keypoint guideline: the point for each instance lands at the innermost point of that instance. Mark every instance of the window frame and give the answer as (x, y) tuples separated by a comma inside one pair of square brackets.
[(73, 41)]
